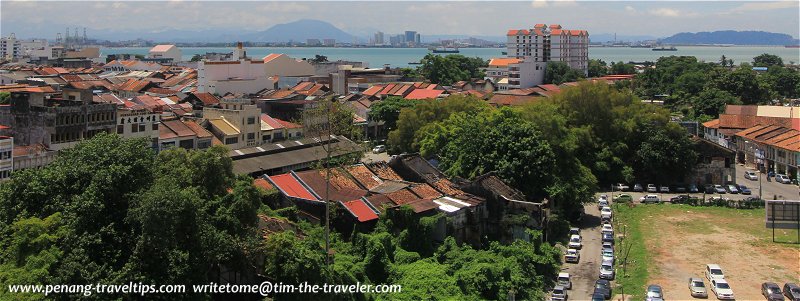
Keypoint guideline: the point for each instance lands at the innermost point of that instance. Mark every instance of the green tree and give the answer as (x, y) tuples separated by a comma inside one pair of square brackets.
[(745, 84), (666, 149), (411, 120), (501, 141), (30, 253), (319, 59), (4, 98), (196, 58), (388, 110), (767, 60), (597, 68), (559, 73), (783, 81), (446, 70), (711, 102), (622, 68)]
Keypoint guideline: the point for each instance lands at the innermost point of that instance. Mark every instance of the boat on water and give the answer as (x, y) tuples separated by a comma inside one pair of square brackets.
[(445, 50), (642, 46), (504, 52), (415, 63), (792, 46), (662, 48)]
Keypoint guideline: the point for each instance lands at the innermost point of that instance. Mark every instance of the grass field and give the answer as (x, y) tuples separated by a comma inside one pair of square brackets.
[(669, 243)]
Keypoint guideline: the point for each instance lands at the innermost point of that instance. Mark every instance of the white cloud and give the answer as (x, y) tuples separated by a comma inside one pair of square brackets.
[(539, 3), (630, 9), (665, 12)]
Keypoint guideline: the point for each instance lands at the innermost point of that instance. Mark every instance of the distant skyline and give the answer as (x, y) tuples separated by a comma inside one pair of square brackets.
[(488, 18)]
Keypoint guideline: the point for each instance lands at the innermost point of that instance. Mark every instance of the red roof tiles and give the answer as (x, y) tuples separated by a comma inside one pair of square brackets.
[(424, 94), (360, 210), (290, 187)]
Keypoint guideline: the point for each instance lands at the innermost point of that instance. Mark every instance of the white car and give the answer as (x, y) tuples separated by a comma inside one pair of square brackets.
[(607, 270), (602, 203), (713, 271), (559, 293), (621, 187), (650, 198), (607, 229), (605, 213), (750, 175), (722, 289), (607, 254), (575, 242), (564, 280), (379, 149), (652, 188), (572, 255), (781, 178)]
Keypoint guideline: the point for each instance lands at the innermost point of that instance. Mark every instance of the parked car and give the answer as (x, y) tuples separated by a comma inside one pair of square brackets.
[(607, 255), (743, 189), (621, 187), (719, 189), (607, 270), (722, 289), (605, 213), (574, 231), (638, 188), (604, 285), (608, 244), (654, 293), (564, 280), (664, 189), (771, 291), (572, 255), (607, 228), (608, 238), (709, 189), (750, 175), (781, 178), (697, 288), (733, 189), (623, 198), (575, 242), (379, 149), (680, 189), (602, 203), (652, 188), (560, 292), (598, 295), (650, 199), (679, 199), (693, 188), (791, 291), (713, 271)]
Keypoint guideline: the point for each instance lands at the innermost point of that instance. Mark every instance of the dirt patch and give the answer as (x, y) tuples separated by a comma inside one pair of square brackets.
[(682, 244)]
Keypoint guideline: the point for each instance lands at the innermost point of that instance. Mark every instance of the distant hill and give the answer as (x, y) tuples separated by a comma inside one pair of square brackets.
[(300, 31), (731, 37)]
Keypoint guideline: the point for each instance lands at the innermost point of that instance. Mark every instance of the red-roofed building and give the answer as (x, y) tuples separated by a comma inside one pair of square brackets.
[(360, 210), (547, 44), (290, 187), (425, 94)]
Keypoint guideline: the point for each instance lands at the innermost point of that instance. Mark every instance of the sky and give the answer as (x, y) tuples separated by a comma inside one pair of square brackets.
[(491, 18)]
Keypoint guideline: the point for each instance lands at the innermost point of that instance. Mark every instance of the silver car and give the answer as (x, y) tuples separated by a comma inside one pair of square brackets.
[(654, 293), (697, 288), (607, 270)]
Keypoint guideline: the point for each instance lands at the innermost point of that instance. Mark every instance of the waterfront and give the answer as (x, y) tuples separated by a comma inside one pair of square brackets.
[(400, 57)]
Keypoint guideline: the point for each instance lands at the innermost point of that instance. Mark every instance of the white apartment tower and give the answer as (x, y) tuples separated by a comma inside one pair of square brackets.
[(550, 44), (10, 47)]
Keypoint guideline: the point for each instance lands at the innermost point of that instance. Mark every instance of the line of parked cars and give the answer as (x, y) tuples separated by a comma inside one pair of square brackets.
[(780, 178), (602, 286)]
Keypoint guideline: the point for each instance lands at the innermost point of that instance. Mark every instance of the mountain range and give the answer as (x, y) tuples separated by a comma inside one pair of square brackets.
[(731, 37), (301, 30)]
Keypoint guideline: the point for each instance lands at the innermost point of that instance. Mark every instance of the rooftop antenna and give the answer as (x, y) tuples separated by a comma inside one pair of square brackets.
[(59, 39), (84, 36)]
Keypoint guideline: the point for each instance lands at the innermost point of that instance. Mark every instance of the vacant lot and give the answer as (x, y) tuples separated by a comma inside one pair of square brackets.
[(674, 242)]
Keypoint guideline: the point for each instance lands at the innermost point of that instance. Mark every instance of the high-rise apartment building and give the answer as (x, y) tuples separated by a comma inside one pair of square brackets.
[(550, 44)]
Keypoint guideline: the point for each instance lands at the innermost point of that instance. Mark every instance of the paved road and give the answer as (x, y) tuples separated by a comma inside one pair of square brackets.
[(768, 189), (585, 272)]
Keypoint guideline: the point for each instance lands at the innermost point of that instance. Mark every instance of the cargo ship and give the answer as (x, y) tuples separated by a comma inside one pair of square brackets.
[(662, 48), (445, 50)]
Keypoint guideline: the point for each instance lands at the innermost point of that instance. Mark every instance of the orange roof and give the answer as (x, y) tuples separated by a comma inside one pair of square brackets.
[(373, 90), (288, 125), (540, 25), (503, 62), (261, 183), (514, 32), (424, 94), (161, 48), (555, 26), (713, 124), (271, 57)]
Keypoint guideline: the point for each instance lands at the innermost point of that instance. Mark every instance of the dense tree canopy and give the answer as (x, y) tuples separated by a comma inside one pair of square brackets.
[(559, 73), (622, 68), (388, 110), (597, 68), (767, 60), (446, 70), (111, 211)]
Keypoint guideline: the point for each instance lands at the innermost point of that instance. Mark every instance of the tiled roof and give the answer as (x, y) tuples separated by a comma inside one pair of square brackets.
[(207, 98), (383, 171), (380, 201), (339, 179), (271, 57), (425, 191), (364, 176), (373, 90), (503, 62), (360, 210), (512, 100), (422, 205), (424, 94), (263, 184), (161, 48), (290, 187), (446, 187), (713, 124), (288, 125), (402, 196), (177, 128), (197, 129), (315, 180)]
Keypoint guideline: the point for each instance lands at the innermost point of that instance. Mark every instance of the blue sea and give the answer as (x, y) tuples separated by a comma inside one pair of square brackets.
[(400, 57)]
